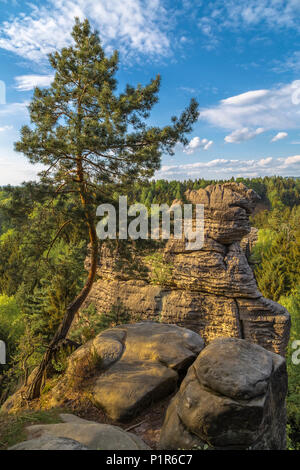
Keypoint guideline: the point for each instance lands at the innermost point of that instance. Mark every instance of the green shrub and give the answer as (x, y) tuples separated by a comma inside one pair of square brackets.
[(91, 322), (161, 271)]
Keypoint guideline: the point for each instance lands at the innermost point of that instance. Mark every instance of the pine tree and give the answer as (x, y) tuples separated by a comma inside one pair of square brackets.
[(87, 135)]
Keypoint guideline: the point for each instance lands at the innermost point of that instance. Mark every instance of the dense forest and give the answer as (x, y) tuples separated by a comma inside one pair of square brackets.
[(42, 269)]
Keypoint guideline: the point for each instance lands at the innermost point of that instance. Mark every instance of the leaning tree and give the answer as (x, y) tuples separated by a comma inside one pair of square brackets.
[(87, 134)]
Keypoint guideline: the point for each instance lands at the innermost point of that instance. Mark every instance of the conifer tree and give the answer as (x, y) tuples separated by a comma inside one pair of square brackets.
[(86, 134)]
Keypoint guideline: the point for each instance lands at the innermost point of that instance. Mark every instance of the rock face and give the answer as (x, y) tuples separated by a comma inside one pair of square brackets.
[(249, 241), (79, 434), (124, 369), (233, 397), (211, 291)]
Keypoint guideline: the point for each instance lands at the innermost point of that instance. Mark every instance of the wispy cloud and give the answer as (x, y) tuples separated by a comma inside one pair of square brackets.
[(134, 26), (231, 15), (196, 144), (225, 168), (15, 168), (208, 27), (279, 136), (271, 13), (15, 172), (289, 63), (240, 135), (29, 82), (188, 90), (141, 27), (14, 109), (5, 128), (275, 109)]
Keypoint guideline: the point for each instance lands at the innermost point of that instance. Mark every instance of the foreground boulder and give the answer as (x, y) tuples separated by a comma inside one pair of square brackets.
[(124, 369), (233, 397), (211, 291), (79, 434), (48, 442)]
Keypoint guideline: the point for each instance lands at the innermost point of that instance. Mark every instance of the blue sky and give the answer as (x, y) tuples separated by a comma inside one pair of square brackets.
[(240, 60)]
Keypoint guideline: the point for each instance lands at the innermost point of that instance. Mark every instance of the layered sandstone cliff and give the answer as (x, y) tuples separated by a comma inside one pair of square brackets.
[(212, 291)]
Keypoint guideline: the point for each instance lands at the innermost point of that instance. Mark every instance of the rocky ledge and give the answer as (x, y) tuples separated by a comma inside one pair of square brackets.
[(125, 369)]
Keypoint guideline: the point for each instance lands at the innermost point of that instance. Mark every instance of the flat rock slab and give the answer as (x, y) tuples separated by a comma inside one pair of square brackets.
[(48, 442), (79, 434), (139, 364), (127, 388)]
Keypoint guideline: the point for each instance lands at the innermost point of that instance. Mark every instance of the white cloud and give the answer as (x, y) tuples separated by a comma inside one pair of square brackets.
[(240, 135), (290, 62), (187, 89), (271, 109), (226, 168), (139, 26), (225, 14), (14, 109), (15, 168), (279, 136), (291, 160), (196, 143), (272, 13), (245, 98), (208, 29), (5, 128), (220, 15), (29, 82)]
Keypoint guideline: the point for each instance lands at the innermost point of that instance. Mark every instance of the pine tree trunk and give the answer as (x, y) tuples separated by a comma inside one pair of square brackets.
[(34, 389)]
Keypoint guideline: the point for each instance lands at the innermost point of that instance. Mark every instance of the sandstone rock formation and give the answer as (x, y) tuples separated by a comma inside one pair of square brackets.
[(124, 369), (248, 241), (233, 397), (79, 434), (211, 291)]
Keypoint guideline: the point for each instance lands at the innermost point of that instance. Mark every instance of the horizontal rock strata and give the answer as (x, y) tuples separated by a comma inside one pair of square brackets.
[(211, 291)]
